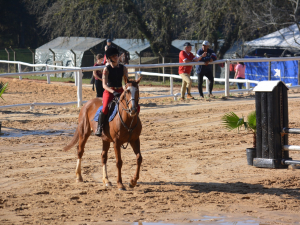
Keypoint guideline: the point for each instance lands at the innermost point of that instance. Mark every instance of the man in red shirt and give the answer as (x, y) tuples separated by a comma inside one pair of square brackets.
[(186, 56)]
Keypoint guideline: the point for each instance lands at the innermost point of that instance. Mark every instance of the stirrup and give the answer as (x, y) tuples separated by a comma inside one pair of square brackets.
[(98, 132)]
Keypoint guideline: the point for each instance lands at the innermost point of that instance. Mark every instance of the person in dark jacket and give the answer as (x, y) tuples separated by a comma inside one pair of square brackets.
[(205, 70), (98, 76)]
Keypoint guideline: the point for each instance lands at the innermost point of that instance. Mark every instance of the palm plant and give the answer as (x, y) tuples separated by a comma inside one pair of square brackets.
[(3, 87), (231, 121)]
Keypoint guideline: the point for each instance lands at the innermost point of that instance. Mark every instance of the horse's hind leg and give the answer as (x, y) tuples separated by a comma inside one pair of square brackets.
[(83, 136), (105, 149), (136, 148)]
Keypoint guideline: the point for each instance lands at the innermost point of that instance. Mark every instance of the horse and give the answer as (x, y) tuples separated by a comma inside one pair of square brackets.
[(124, 58), (125, 127)]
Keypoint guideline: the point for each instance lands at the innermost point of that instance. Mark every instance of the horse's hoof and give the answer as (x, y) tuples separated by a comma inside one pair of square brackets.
[(130, 185), (108, 184), (79, 180), (122, 189)]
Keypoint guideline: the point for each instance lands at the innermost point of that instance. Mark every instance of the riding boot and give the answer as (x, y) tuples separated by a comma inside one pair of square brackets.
[(100, 124)]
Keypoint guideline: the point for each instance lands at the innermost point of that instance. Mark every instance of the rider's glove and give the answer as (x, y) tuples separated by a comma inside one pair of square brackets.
[(116, 94)]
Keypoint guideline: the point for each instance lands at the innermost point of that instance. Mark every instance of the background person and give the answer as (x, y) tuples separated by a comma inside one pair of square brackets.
[(112, 83), (186, 56), (240, 73), (205, 70), (104, 60), (108, 43), (98, 76)]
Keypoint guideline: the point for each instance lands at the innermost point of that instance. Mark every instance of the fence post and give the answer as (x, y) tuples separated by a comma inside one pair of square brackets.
[(75, 56), (33, 58), (8, 69), (298, 72), (214, 70), (48, 76), (171, 85), (163, 61), (136, 75), (247, 86), (53, 59), (15, 70), (76, 78), (269, 71), (20, 70), (91, 50), (79, 88), (227, 65), (206, 85)]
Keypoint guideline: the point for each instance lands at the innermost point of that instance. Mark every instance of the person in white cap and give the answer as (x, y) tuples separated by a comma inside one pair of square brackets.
[(186, 56), (205, 70)]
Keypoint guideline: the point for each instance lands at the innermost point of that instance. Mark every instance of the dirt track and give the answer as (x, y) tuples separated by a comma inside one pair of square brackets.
[(192, 167)]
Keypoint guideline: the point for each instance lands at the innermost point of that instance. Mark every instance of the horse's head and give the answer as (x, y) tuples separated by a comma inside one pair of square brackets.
[(131, 96), (124, 58)]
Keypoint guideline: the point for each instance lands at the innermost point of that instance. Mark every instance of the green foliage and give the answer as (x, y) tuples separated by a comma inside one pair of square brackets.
[(252, 121), (3, 88), (231, 121)]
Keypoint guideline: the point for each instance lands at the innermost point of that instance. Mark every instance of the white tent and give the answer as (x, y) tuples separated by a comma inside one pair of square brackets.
[(196, 44), (284, 38), (179, 44), (132, 46), (62, 47)]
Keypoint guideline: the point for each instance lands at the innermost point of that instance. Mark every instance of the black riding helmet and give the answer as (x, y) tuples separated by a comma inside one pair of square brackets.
[(111, 51)]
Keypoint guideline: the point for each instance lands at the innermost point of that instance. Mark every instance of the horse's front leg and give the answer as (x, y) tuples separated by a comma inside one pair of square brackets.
[(105, 149), (136, 148), (119, 164)]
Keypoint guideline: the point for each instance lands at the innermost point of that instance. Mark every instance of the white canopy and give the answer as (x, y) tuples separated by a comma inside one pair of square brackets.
[(132, 46), (284, 38), (62, 47)]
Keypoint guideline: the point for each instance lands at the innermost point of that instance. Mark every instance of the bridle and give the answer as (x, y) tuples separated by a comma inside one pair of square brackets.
[(132, 90)]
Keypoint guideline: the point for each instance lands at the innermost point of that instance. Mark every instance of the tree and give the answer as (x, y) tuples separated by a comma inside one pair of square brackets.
[(17, 27), (274, 14), (154, 20), (222, 19)]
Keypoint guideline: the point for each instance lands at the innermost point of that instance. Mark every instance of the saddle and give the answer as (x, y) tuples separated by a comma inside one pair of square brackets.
[(112, 111)]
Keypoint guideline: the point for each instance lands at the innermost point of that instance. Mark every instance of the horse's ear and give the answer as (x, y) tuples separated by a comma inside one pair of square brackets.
[(138, 80), (125, 79)]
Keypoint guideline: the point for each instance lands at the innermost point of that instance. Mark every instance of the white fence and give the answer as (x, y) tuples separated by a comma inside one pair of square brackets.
[(79, 73)]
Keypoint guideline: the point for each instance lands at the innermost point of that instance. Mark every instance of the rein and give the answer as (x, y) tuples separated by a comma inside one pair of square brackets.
[(129, 129)]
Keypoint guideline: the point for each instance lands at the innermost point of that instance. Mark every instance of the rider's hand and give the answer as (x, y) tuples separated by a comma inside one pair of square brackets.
[(116, 94)]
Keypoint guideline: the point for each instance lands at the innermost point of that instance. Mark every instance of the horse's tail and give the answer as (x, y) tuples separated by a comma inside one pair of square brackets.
[(73, 141)]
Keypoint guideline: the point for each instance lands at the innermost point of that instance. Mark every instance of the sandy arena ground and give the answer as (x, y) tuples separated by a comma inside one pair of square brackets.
[(193, 171)]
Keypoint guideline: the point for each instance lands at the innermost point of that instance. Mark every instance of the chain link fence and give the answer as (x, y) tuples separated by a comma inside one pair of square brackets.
[(22, 55)]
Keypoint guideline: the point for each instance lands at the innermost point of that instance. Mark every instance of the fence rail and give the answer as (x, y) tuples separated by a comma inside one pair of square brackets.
[(79, 73)]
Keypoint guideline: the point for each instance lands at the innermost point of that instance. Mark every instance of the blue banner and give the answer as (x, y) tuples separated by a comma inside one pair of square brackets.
[(286, 71)]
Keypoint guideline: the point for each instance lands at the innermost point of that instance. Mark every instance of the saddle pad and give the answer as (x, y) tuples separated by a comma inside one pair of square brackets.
[(111, 117)]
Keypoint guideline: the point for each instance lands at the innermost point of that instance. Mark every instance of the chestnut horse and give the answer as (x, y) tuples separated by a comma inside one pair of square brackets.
[(126, 127), (124, 58)]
